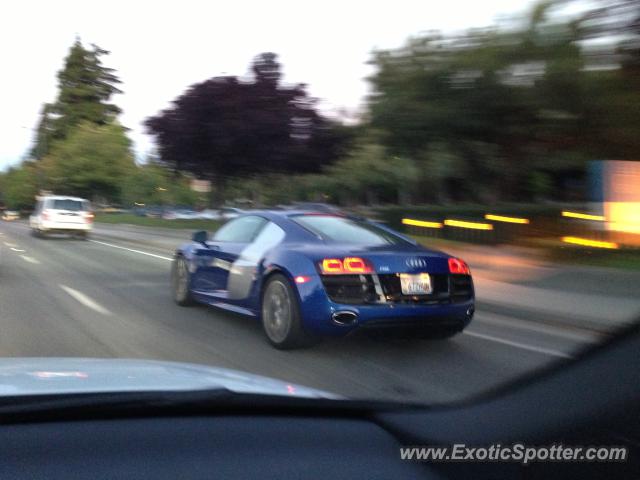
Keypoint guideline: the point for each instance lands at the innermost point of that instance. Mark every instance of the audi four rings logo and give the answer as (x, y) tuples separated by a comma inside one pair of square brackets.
[(416, 262)]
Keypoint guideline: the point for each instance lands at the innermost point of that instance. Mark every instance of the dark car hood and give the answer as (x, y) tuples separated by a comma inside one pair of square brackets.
[(39, 376)]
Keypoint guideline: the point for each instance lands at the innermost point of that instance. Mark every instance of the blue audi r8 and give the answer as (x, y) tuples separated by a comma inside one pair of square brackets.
[(306, 274)]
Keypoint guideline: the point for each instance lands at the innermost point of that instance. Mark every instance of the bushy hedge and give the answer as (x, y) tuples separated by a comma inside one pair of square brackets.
[(393, 215), (545, 221)]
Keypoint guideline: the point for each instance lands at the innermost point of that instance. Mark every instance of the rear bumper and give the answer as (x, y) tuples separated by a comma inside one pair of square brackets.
[(317, 311), (65, 227)]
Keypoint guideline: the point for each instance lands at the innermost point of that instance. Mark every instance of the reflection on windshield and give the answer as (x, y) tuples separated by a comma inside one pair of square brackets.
[(344, 230)]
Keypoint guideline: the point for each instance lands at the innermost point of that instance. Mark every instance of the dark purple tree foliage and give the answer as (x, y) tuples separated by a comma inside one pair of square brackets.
[(225, 127)]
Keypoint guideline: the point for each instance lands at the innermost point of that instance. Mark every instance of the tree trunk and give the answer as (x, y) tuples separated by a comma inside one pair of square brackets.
[(217, 190)]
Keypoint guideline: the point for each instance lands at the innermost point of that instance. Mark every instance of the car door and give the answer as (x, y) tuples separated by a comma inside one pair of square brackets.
[(216, 259), (243, 272)]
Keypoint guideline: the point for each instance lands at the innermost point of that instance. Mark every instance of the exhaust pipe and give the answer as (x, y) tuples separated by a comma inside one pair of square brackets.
[(344, 317)]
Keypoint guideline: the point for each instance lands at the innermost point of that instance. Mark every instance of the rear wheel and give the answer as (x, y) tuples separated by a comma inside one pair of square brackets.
[(180, 282), (81, 235), (281, 319)]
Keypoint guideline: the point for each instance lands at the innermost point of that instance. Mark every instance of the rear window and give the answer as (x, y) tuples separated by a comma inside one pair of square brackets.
[(347, 230), (73, 205)]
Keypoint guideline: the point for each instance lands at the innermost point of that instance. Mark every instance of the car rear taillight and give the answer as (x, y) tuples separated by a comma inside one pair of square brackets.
[(331, 265), (45, 215), (355, 265), (458, 266), (345, 266), (89, 216)]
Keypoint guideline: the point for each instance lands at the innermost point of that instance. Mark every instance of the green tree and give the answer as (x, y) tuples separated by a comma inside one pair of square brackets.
[(505, 102), (44, 133), (92, 162), (371, 174), (85, 87), (154, 184), (18, 186)]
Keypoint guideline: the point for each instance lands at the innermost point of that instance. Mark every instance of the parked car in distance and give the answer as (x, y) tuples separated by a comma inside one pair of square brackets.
[(210, 214), (60, 214), (10, 215), (227, 213)]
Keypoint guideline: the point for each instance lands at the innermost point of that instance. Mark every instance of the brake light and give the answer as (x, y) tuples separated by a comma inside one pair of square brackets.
[(458, 266), (89, 216), (45, 215), (355, 265), (332, 265), (347, 265)]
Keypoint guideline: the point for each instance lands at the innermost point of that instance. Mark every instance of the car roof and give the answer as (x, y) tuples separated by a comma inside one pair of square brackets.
[(62, 197), (283, 214)]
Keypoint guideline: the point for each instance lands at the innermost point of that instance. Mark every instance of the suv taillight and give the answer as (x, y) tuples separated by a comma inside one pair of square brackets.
[(89, 216), (45, 215)]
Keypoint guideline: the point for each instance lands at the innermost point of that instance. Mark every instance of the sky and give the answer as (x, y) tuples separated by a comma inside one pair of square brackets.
[(159, 48)]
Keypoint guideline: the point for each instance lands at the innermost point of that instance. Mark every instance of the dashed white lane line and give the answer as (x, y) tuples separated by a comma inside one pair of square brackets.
[(132, 250), (85, 300), (30, 259), (17, 249), (9, 244), (523, 346)]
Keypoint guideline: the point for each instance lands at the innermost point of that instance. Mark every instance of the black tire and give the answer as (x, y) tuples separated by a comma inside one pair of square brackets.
[(280, 314), (180, 282), (81, 235)]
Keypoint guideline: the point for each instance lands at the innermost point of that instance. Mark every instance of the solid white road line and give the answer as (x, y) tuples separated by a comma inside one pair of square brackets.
[(498, 320), (86, 301), (132, 250), (30, 259), (17, 249), (523, 346)]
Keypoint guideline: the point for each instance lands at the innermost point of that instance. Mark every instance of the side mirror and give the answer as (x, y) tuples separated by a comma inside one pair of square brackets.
[(200, 237)]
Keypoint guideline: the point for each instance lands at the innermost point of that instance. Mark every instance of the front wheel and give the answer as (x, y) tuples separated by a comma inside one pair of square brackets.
[(281, 319), (180, 282)]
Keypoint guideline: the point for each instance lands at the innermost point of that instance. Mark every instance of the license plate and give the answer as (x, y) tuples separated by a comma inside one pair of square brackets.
[(415, 284)]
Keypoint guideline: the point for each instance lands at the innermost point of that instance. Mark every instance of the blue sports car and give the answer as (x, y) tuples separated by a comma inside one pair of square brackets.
[(306, 274)]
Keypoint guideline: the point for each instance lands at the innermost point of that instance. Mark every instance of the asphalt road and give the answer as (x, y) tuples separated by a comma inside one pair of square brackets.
[(61, 297)]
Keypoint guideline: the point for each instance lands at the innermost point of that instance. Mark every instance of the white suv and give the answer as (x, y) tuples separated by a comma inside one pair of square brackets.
[(56, 214)]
